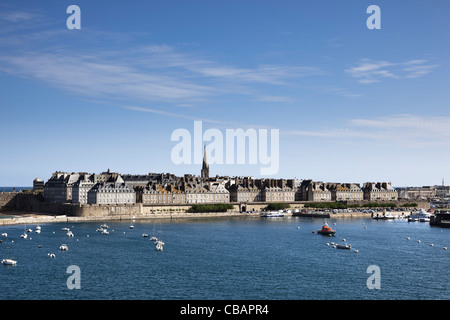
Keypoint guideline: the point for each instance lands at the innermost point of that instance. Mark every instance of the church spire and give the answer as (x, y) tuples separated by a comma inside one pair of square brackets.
[(205, 166)]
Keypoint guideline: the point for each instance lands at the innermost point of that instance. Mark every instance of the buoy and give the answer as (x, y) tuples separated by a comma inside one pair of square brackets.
[(298, 227), (313, 231), (327, 244), (408, 238), (418, 241), (431, 244), (356, 250)]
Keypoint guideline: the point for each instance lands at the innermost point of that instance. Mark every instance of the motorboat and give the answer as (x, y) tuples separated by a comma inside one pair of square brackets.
[(273, 215), (9, 262), (388, 216), (326, 230), (65, 229), (343, 246), (70, 234), (63, 247), (421, 216), (145, 235)]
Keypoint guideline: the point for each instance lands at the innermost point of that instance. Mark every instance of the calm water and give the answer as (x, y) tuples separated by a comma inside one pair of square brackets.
[(242, 258)]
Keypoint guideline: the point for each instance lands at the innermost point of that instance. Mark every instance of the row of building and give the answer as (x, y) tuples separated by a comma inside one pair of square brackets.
[(159, 188), (154, 189)]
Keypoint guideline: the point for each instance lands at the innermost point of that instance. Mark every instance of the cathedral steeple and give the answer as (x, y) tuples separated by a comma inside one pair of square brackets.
[(205, 167)]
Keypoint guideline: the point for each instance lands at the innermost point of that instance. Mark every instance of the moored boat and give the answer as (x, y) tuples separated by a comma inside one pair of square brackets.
[(9, 262), (273, 215), (326, 230), (343, 246)]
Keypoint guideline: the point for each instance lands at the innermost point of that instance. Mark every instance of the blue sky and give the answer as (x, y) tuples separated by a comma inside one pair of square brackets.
[(351, 104)]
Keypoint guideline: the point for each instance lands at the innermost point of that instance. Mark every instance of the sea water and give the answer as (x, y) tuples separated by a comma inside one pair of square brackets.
[(228, 258)]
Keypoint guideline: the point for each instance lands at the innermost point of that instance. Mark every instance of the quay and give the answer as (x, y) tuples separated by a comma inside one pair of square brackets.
[(32, 219)]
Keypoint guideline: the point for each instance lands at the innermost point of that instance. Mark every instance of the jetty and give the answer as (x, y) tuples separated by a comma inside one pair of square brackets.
[(441, 218)]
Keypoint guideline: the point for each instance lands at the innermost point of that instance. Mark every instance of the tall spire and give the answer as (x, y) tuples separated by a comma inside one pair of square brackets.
[(205, 166)]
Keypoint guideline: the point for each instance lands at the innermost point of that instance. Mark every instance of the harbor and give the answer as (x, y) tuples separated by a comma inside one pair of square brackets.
[(282, 259)]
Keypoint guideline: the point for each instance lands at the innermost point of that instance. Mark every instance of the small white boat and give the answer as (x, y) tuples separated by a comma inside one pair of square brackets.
[(420, 216), (154, 239), (9, 262), (159, 246), (38, 231), (104, 226), (38, 227), (51, 255), (131, 227), (65, 229), (273, 215), (63, 247), (24, 236), (104, 231), (145, 235), (4, 234), (70, 234)]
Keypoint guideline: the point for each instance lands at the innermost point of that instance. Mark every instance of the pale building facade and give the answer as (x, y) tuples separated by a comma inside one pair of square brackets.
[(379, 191)]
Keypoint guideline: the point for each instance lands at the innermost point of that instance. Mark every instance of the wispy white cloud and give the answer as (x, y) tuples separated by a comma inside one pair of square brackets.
[(19, 16), (94, 77), (369, 71), (401, 130), (155, 73)]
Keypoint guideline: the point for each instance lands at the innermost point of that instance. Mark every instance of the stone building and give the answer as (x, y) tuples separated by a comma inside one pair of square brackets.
[(318, 191), (277, 190), (219, 193), (345, 191), (248, 189), (162, 194), (38, 184), (81, 188), (59, 187), (245, 190), (111, 193), (379, 191)]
